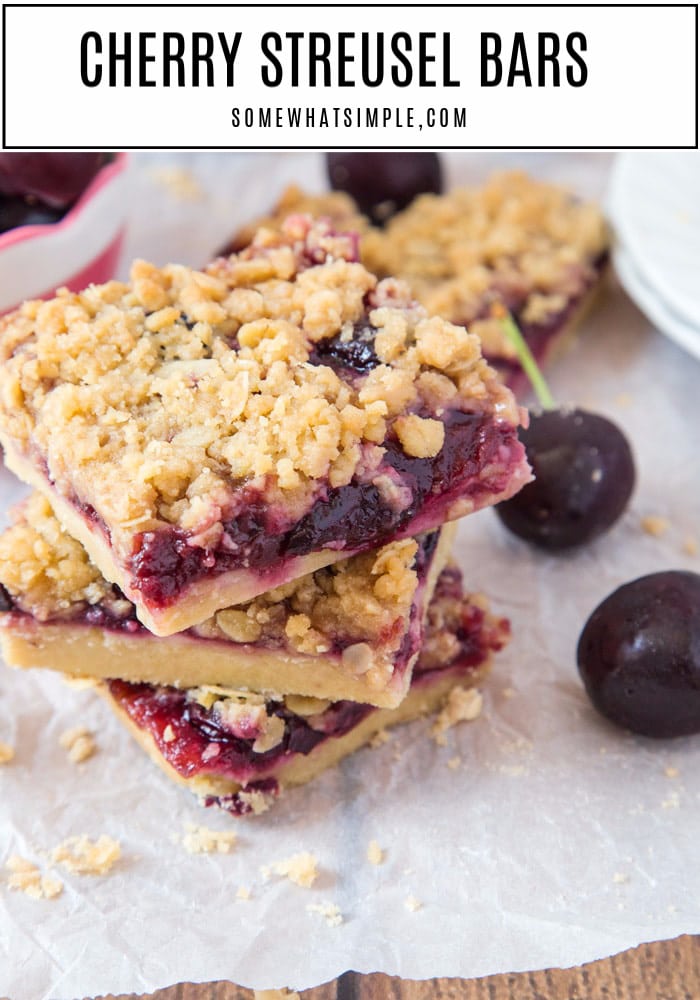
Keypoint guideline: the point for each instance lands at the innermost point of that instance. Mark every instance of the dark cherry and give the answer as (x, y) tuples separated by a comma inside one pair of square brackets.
[(56, 179), (384, 183), (16, 212), (639, 655), (584, 477)]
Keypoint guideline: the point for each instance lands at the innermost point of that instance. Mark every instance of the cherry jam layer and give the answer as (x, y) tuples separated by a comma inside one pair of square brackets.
[(104, 617), (351, 518), (199, 743)]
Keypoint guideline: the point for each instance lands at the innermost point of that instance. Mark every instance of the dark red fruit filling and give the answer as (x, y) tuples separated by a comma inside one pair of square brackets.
[(355, 517), (351, 356)]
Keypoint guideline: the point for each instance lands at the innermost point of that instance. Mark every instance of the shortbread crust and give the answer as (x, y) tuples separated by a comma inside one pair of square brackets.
[(238, 749)]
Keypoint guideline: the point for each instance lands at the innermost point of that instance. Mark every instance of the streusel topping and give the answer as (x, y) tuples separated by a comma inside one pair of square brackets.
[(365, 599), (514, 240), (150, 399)]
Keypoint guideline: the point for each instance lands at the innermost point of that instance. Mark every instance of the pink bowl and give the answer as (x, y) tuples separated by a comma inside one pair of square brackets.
[(82, 248)]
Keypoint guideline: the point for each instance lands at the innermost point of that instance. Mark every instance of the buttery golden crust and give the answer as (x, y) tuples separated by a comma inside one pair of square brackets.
[(150, 400)]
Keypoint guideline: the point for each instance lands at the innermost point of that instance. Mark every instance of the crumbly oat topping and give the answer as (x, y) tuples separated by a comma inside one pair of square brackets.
[(79, 744), (50, 576), (26, 877), (462, 705), (329, 911), (45, 570), (301, 868), (7, 753), (202, 840), (524, 243), (336, 206), (83, 856), (155, 400), (375, 854)]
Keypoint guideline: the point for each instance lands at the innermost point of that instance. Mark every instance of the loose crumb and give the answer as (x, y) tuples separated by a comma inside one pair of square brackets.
[(329, 911), (79, 683), (257, 801), (620, 878), (179, 182), (672, 802), (655, 525), (671, 772), (462, 705), (83, 856), (379, 739), (412, 904), (283, 994), (299, 868), (690, 546), (375, 855), (623, 399), (508, 692), (454, 762), (243, 892), (202, 840), (27, 878), (79, 743), (7, 753)]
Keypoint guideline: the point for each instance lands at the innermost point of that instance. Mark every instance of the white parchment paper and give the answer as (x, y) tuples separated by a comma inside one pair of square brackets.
[(557, 840)]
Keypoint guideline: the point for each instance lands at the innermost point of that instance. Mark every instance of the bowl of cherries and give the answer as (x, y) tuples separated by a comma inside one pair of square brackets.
[(62, 219)]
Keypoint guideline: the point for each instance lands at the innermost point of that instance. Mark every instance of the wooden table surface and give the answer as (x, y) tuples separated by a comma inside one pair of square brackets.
[(665, 970)]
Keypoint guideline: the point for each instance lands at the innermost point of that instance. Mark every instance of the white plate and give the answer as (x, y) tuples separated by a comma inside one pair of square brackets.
[(656, 308), (654, 204)]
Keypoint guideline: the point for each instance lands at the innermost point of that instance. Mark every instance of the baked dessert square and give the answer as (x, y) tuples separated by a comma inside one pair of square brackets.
[(350, 631), (513, 243), (238, 749), (209, 436)]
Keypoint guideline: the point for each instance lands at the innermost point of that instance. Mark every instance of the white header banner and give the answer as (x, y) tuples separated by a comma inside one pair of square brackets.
[(352, 76)]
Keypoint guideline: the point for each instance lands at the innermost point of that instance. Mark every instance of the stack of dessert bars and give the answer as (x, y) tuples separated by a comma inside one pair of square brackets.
[(243, 481)]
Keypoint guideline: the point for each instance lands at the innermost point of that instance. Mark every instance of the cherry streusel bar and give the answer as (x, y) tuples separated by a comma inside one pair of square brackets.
[(209, 436), (238, 750), (350, 631)]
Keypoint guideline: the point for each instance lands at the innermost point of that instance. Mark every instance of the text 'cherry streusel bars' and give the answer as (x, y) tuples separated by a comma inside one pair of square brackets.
[(210, 436)]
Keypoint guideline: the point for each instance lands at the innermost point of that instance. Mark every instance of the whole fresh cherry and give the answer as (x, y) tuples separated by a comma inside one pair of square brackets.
[(639, 655), (584, 477), (583, 466), (384, 183)]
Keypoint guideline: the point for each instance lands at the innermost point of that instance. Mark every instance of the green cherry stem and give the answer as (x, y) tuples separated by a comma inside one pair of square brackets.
[(530, 366)]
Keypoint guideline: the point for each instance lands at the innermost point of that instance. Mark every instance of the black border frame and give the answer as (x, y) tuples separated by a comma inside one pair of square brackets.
[(272, 149)]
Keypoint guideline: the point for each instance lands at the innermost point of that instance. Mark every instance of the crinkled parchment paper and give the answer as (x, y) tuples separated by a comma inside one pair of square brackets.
[(557, 839)]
